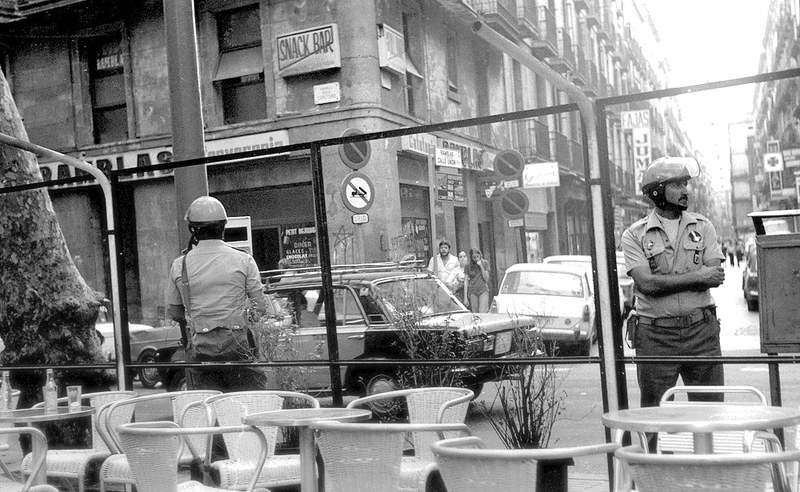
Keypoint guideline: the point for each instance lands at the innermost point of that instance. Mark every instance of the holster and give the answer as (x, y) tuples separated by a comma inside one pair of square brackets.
[(631, 326)]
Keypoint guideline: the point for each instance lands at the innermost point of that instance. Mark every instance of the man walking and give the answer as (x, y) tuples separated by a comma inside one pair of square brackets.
[(212, 287), (674, 259), (444, 264)]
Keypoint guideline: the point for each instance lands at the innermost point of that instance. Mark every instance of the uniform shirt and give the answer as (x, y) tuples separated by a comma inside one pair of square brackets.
[(645, 243), (444, 269), (221, 280)]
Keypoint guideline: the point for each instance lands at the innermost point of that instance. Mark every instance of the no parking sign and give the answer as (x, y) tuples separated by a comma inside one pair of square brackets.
[(357, 192)]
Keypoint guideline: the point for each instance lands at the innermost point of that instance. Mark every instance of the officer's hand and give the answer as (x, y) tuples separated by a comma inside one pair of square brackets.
[(712, 276)]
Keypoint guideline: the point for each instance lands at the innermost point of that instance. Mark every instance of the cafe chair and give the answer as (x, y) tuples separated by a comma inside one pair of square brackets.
[(40, 439), (741, 472), (4, 443), (230, 409), (72, 464), (424, 406), (153, 450), (466, 465), (724, 442), (368, 457), (116, 469)]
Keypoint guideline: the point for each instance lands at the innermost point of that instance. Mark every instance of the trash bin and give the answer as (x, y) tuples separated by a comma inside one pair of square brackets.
[(778, 261)]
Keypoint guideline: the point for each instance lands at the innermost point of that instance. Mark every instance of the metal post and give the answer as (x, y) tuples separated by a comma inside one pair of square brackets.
[(186, 107), (120, 343)]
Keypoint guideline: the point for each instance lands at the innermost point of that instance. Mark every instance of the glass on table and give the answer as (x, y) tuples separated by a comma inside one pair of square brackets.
[(74, 397)]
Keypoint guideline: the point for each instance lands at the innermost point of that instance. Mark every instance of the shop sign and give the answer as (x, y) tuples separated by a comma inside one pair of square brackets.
[(541, 175), (773, 162), (327, 93), (631, 120), (448, 158), (300, 246), (309, 50), (160, 155), (420, 143), (471, 157), (791, 157), (449, 187)]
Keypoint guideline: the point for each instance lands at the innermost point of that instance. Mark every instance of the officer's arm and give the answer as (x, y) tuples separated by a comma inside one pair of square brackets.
[(656, 285)]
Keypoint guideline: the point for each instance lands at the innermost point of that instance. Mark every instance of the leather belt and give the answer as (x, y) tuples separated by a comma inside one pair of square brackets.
[(675, 321)]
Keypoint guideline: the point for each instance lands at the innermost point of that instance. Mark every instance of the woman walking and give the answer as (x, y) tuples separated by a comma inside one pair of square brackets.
[(477, 273)]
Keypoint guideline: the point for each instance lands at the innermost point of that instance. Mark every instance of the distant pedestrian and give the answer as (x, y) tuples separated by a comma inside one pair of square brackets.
[(731, 252), (444, 264), (739, 252), (477, 274), (724, 247)]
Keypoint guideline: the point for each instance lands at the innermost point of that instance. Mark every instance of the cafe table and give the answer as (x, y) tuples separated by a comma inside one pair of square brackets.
[(701, 420), (28, 416), (302, 418)]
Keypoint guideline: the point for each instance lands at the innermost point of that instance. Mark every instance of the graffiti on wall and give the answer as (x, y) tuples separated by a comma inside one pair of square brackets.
[(343, 247)]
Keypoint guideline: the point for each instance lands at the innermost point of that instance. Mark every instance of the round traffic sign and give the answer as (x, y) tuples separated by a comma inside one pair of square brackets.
[(355, 155), (509, 164), (357, 192), (514, 204)]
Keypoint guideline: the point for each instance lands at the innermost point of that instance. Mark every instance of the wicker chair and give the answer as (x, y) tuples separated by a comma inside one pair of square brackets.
[(368, 457), (41, 441), (742, 472), (115, 468), (153, 449), (4, 446), (467, 466), (73, 463), (724, 442), (235, 472)]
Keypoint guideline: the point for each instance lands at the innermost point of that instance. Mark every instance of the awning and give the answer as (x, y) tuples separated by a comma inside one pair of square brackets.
[(410, 68), (235, 64)]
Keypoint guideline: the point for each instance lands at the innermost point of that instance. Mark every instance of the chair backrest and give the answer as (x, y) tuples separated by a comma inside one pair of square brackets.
[(467, 466), (367, 457), (724, 442), (741, 472), (36, 435), (231, 408), (426, 406), (153, 448)]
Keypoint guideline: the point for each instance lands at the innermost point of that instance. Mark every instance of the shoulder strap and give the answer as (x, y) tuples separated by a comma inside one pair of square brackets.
[(185, 282)]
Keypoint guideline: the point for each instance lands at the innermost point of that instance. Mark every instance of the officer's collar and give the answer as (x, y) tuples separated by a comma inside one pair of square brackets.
[(209, 243), (653, 220)]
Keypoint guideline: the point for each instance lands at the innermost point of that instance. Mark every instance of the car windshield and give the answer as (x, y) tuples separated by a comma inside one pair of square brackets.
[(423, 296), (542, 283)]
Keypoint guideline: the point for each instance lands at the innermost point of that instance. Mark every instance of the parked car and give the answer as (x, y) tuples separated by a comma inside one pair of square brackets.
[(750, 279), (145, 341), (558, 296), (585, 262), (377, 306)]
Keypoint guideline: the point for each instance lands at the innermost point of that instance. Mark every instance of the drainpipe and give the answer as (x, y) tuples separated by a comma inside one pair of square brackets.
[(589, 117), (105, 186)]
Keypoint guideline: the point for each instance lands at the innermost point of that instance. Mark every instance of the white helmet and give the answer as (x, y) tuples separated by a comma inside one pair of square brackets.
[(204, 210)]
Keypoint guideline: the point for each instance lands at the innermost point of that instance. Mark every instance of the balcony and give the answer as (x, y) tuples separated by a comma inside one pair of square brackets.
[(563, 152), (564, 61), (579, 74), (500, 15), (545, 46), (593, 14), (590, 89), (527, 19), (534, 139)]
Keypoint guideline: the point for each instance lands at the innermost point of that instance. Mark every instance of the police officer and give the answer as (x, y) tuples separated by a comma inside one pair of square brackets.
[(674, 259), (212, 285)]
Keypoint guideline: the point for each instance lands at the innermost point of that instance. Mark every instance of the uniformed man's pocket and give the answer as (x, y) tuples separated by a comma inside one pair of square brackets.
[(654, 252), (694, 249)]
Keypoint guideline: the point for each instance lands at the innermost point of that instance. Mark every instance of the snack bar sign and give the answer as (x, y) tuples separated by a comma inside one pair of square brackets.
[(310, 50)]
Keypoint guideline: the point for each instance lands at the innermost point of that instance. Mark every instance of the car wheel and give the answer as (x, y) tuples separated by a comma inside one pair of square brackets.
[(752, 304), (148, 376), (381, 382)]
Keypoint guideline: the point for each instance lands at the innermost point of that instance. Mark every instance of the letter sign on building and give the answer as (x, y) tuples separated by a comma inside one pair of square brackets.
[(310, 50)]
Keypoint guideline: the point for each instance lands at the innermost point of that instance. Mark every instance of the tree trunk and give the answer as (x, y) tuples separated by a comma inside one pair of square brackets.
[(47, 311)]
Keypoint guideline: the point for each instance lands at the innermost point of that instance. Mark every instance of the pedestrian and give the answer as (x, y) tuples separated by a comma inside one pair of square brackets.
[(731, 253), (739, 252), (444, 264), (457, 281), (212, 289), (724, 251), (477, 274), (674, 259)]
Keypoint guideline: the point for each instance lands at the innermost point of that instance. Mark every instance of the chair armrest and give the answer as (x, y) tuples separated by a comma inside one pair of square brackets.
[(210, 419), (456, 401), (39, 437)]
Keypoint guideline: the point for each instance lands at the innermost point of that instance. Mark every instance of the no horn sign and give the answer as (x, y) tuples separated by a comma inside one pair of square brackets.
[(357, 192)]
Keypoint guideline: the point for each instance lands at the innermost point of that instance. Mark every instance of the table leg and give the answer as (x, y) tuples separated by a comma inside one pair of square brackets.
[(308, 474), (703, 443)]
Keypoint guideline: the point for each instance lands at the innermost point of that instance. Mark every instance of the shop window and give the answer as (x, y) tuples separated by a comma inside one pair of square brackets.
[(107, 85), (240, 73)]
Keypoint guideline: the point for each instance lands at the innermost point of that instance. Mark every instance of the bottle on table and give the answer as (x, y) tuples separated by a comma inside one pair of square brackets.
[(5, 392), (50, 391)]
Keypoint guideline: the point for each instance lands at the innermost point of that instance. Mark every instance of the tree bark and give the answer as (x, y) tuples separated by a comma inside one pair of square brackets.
[(47, 311)]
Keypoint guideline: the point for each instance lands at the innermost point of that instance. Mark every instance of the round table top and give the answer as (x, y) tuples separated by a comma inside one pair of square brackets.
[(29, 415), (701, 418), (305, 416)]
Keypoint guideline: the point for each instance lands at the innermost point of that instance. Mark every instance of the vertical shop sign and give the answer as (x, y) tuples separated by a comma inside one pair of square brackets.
[(638, 123), (300, 245)]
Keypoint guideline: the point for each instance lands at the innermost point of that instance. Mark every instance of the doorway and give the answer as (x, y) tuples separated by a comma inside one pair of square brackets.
[(267, 248)]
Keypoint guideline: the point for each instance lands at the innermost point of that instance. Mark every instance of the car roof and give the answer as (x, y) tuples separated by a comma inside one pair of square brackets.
[(545, 267), (570, 258)]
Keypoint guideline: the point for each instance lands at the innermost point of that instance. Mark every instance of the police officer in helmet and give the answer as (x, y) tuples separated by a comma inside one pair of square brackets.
[(212, 289), (674, 259)]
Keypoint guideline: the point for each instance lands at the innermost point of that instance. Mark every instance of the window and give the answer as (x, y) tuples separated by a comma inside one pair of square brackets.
[(240, 73), (107, 85), (452, 63), (413, 76)]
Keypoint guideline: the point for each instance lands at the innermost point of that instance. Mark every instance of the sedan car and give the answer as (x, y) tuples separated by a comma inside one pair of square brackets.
[(585, 262), (558, 296)]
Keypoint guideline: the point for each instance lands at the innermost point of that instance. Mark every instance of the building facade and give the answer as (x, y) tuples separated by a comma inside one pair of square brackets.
[(90, 80)]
